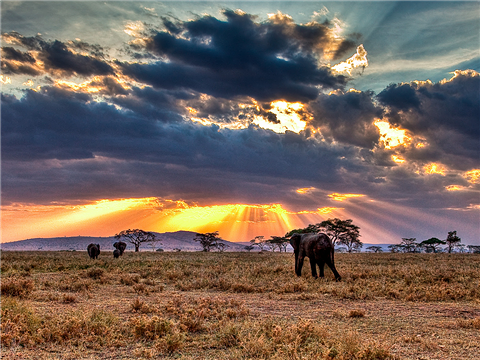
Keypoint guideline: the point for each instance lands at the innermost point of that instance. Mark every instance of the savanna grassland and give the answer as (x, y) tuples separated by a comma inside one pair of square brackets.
[(63, 305)]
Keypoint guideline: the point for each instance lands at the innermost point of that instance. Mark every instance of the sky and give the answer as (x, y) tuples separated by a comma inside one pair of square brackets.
[(244, 117)]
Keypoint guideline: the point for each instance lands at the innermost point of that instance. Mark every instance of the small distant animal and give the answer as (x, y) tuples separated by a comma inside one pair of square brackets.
[(93, 250), (116, 253), (120, 246)]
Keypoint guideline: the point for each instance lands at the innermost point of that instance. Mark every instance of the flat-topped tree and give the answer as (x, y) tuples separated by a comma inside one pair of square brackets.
[(409, 244), (136, 237), (432, 244), (375, 248)]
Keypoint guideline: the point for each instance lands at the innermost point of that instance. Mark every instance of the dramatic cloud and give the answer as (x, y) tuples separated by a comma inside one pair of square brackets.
[(233, 110), (52, 56), (444, 115), (277, 59)]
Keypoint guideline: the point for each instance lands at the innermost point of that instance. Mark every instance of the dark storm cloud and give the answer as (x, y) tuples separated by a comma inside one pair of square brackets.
[(55, 55), (401, 97), (347, 117), (239, 57), (9, 53), (445, 114), (57, 124)]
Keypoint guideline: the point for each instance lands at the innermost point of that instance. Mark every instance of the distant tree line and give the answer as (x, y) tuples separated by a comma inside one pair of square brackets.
[(434, 245)]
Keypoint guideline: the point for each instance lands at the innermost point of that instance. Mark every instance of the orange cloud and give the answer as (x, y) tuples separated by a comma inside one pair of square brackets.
[(343, 197)]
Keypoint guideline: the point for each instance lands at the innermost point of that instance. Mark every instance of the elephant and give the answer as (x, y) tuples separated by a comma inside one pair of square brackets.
[(318, 248), (93, 250), (116, 253), (120, 246)]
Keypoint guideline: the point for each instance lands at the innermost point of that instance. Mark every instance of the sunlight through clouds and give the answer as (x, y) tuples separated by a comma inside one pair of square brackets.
[(357, 60), (434, 168), (289, 117), (343, 197), (389, 136)]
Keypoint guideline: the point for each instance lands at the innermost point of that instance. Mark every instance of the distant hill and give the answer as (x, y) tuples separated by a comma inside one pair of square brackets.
[(168, 241)]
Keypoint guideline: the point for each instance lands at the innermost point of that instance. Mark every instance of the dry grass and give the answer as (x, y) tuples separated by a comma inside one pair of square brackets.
[(238, 306)]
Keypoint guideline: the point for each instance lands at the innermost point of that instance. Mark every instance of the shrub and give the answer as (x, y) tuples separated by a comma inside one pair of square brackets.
[(95, 272), (17, 287)]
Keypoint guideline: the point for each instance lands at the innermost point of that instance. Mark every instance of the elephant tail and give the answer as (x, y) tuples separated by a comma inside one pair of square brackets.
[(332, 255)]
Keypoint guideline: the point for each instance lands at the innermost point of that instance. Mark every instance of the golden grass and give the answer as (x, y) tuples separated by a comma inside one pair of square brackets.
[(238, 306)]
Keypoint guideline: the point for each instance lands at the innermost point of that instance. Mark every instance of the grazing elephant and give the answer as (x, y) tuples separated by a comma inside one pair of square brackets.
[(116, 253), (120, 246), (318, 248), (93, 250)]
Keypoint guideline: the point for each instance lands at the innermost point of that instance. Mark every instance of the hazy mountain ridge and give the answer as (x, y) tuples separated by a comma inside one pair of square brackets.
[(168, 241)]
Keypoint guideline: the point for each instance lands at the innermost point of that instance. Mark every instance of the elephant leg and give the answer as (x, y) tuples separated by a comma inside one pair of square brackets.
[(321, 265), (299, 265), (313, 266), (331, 265)]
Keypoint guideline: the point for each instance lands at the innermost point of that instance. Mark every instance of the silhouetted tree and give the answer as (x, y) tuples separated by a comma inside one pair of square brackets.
[(409, 244), (278, 241), (338, 230), (452, 240), (342, 231), (395, 248), (474, 249), (432, 244), (221, 246), (312, 228), (207, 240), (249, 248), (375, 249), (259, 241), (136, 237)]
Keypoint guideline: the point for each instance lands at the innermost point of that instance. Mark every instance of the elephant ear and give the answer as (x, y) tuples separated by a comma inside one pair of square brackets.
[(295, 241)]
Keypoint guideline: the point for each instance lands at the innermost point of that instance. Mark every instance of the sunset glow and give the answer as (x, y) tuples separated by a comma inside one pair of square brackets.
[(389, 136), (343, 197), (305, 190), (288, 115), (434, 168), (235, 222), (473, 176)]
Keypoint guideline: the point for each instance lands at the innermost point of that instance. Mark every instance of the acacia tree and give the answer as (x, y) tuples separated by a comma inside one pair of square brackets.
[(249, 247), (259, 241), (221, 246), (207, 240), (474, 249), (375, 248), (432, 244), (278, 241), (342, 231), (452, 240), (409, 244), (136, 237)]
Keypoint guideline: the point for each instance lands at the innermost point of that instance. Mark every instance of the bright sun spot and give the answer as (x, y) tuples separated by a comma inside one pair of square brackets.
[(434, 168), (455, 188), (398, 159), (343, 197), (391, 137), (289, 117), (473, 176), (5, 79)]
